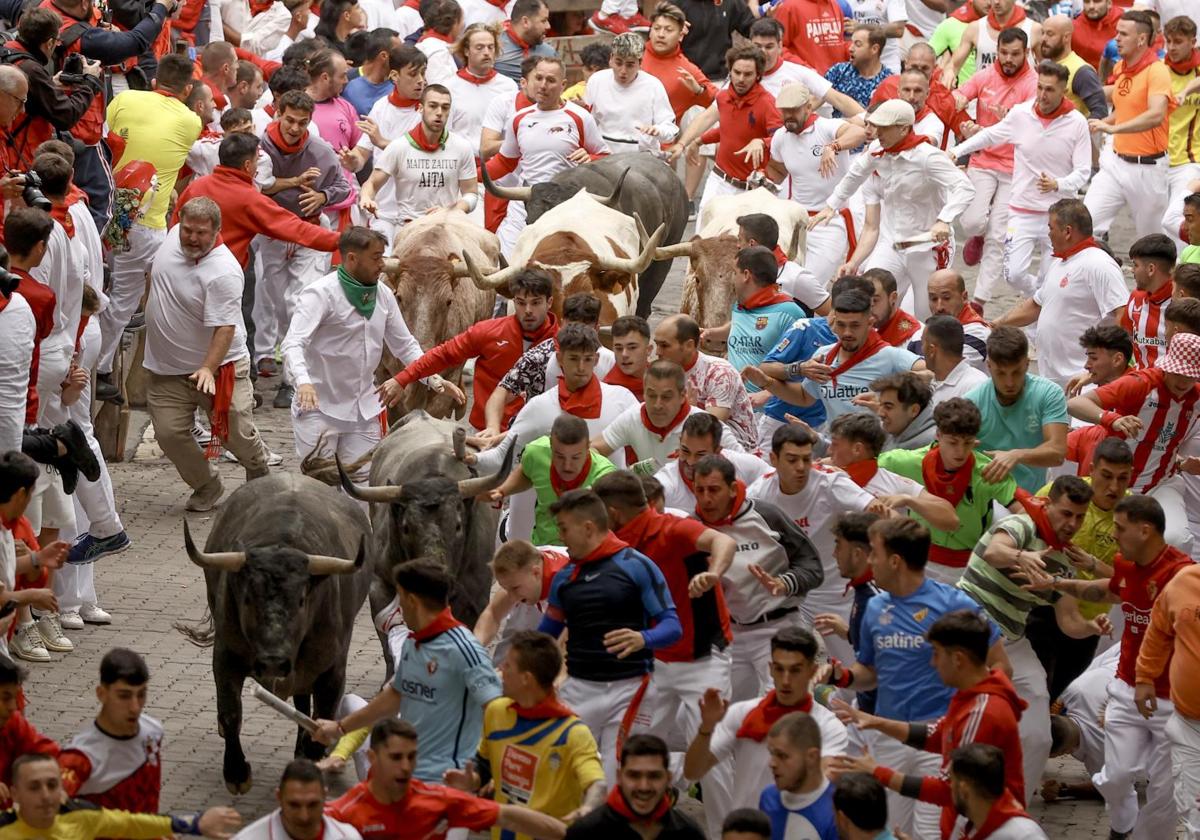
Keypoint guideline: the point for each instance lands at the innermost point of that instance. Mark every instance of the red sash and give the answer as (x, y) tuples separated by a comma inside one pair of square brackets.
[(222, 400)]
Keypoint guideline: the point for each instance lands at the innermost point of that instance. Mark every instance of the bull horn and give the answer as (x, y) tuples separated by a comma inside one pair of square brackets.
[(323, 564), (459, 440), (390, 264), (508, 193), (670, 252), (217, 561), (490, 282), (611, 199), (469, 488), (625, 265), (460, 269), (365, 492)]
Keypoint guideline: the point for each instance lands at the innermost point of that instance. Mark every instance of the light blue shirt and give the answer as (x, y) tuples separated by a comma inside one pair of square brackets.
[(857, 380), (755, 332), (1019, 426), (798, 345)]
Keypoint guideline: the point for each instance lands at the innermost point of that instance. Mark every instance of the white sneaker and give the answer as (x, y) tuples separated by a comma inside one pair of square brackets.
[(27, 644), (70, 620), (202, 435), (52, 634), (93, 614), (274, 459)]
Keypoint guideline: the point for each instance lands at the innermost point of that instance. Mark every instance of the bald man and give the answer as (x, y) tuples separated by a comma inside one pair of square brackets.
[(14, 89), (948, 296), (1083, 87), (922, 59)]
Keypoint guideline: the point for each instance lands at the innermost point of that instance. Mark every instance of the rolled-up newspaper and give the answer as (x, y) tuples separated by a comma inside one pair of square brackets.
[(284, 708), (919, 239)]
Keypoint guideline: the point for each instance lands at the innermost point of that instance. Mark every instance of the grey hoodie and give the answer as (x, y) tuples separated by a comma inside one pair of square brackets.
[(315, 152), (920, 432)]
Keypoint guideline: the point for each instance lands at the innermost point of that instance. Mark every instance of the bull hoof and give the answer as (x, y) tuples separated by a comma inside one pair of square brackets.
[(236, 787)]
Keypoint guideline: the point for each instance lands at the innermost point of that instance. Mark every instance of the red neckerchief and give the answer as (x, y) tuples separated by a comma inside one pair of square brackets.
[(968, 315), (219, 98), (401, 101), (548, 329), (899, 328), (413, 4), (561, 485), (222, 402), (663, 431), (762, 717), (609, 546), (522, 101), (939, 481), (61, 214), (766, 296), (422, 140), (516, 39), (616, 801), (966, 13), (284, 146), (748, 100), (1024, 68), (739, 498), (1035, 507), (872, 345), (1004, 809), (583, 403), (865, 577), (778, 64), (75, 195), (1018, 15), (269, 109), (477, 80), (1064, 107), (910, 141), (1182, 68), (434, 35), (861, 472), (1123, 69), (548, 707), (442, 622), (780, 257), (1075, 249), (166, 93), (634, 384)]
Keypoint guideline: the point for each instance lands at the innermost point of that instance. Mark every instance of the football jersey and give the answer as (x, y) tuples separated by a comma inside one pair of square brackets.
[(880, 13), (542, 140), (426, 813), (421, 180), (801, 156), (124, 774), (798, 345), (837, 394), (1143, 319), (1138, 588), (800, 816), (755, 332)]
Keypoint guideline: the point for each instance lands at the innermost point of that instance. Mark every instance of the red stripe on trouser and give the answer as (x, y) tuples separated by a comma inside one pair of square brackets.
[(631, 714), (851, 236)]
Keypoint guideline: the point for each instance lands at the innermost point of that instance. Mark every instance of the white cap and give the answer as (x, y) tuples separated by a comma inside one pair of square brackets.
[(892, 112)]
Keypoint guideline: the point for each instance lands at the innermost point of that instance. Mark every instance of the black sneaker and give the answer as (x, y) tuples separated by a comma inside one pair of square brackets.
[(283, 397), (107, 390), (68, 472), (78, 452)]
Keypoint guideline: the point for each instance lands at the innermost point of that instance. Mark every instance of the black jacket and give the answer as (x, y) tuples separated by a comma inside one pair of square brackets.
[(711, 33), (606, 824), (59, 105)]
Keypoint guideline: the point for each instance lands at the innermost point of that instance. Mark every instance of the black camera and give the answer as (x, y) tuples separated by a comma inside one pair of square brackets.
[(73, 64), (31, 192), (8, 284)]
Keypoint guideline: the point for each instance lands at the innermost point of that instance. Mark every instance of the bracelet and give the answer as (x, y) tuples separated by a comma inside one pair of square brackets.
[(189, 824), (341, 729), (705, 734), (794, 370), (1109, 418), (884, 775)]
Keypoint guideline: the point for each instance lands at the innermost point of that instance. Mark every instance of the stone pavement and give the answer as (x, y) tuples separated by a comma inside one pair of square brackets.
[(153, 585)]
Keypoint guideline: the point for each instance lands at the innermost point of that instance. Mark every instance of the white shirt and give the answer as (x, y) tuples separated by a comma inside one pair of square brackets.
[(441, 66), (629, 430), (797, 281), (826, 494), (888, 483), (879, 13), (922, 186), (931, 126), (405, 20), (481, 11), (800, 154), (470, 102), (271, 827), (309, 31), (18, 332), (330, 346), (393, 124), (62, 270), (91, 250), (1077, 293), (922, 17), (750, 761), (500, 112), (749, 468), (236, 13), (204, 157), (957, 383), (542, 140), (790, 71), (423, 180), (189, 299), (1061, 148), (620, 109)]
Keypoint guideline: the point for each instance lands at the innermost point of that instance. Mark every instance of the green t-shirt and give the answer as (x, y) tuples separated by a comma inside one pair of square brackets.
[(535, 463), (946, 38), (974, 508), (1191, 254), (1001, 597)]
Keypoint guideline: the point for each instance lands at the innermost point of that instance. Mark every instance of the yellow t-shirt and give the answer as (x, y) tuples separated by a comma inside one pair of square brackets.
[(1095, 537), (545, 765), (575, 92), (158, 129), (1183, 144), (82, 822)]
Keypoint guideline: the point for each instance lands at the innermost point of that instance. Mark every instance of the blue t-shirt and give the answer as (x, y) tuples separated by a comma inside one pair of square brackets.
[(444, 683), (857, 380), (892, 641), (798, 345), (1019, 426), (362, 93), (800, 816), (755, 332)]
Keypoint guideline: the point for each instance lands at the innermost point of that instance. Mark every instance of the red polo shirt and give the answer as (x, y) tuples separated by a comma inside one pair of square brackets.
[(742, 119)]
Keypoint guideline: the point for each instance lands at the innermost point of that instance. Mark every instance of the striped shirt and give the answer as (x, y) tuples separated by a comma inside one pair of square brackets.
[(1167, 421), (1002, 597), (1143, 319)]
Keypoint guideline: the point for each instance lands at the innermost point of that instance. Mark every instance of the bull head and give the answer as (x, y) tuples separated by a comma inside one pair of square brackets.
[(468, 488), (233, 561), (507, 193)]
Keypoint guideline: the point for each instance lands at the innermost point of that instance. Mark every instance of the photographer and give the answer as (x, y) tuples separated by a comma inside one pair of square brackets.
[(54, 102)]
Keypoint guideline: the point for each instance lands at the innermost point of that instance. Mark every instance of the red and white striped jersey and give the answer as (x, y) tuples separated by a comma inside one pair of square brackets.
[(120, 773), (543, 140), (1144, 318), (1167, 421)]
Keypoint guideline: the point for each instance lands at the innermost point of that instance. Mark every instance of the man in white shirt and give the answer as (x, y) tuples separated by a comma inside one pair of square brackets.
[(942, 346), (1084, 285), (766, 33), (630, 107), (890, 16), (948, 295), (443, 25), (428, 168), (18, 334), (301, 811), (196, 353), (392, 115), (651, 430), (477, 84), (333, 346), (699, 437), (913, 195), (1052, 160)]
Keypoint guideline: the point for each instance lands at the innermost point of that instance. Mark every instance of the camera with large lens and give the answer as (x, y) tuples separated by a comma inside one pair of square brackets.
[(31, 192), (73, 64)]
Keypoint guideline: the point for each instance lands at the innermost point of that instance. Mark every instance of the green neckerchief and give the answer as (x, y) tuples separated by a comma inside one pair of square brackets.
[(360, 295)]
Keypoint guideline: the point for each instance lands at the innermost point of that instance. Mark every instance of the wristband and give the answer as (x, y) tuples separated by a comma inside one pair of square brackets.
[(884, 775), (794, 370), (189, 824), (839, 675), (1108, 418), (471, 200)]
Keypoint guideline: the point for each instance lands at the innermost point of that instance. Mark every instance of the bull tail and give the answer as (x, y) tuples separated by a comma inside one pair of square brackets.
[(202, 634), (323, 468)]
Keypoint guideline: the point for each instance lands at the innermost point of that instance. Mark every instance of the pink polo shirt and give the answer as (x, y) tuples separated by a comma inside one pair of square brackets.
[(337, 123), (993, 90)]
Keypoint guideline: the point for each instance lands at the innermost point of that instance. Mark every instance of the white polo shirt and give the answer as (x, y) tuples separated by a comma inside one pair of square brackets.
[(189, 299), (801, 153), (749, 468), (422, 180)]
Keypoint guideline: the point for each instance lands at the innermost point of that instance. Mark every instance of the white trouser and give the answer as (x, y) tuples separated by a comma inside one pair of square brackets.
[(911, 268), (1029, 679), (511, 227), (95, 506), (129, 272), (1184, 736), (602, 707), (826, 247), (750, 672), (1179, 179), (49, 506), (348, 705), (1136, 747), (677, 688), (388, 228), (1026, 232), (349, 440), (1171, 494), (920, 820), (715, 185), (987, 216), (1119, 183), (287, 269), (53, 366), (75, 586)]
